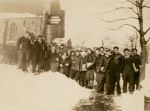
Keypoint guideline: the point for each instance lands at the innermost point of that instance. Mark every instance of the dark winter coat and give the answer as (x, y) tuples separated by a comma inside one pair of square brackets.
[(23, 43), (34, 48), (90, 59), (99, 62), (75, 62), (128, 63), (136, 61), (107, 59), (116, 61), (42, 50), (54, 58), (65, 61)]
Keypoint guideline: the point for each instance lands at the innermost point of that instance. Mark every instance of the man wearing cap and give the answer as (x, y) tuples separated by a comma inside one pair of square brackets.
[(23, 47), (41, 53)]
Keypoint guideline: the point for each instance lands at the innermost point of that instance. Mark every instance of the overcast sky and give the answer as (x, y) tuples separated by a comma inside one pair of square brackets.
[(82, 18)]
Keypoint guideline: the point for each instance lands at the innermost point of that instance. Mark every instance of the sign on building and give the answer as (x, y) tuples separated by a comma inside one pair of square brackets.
[(53, 20)]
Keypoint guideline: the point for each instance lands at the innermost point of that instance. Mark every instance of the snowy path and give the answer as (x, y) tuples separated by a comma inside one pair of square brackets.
[(55, 92), (44, 92)]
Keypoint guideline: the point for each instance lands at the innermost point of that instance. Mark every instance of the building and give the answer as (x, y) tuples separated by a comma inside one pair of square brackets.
[(30, 18), (33, 16)]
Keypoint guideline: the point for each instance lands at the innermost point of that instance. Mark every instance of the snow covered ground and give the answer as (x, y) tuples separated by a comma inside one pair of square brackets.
[(135, 102), (44, 92)]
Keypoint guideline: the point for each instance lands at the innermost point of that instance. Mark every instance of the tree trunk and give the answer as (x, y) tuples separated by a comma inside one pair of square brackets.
[(143, 45), (143, 62)]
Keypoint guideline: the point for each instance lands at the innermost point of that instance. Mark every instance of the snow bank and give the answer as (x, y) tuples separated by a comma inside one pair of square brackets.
[(45, 92), (135, 102)]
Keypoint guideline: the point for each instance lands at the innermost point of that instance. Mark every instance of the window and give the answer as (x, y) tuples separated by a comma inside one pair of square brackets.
[(13, 31)]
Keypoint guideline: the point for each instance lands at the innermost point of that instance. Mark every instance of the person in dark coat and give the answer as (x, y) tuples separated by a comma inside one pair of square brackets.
[(46, 65), (90, 68), (41, 53), (99, 64), (33, 54), (65, 62), (55, 60), (115, 66), (75, 66), (107, 59), (23, 47), (128, 72), (137, 63), (83, 69)]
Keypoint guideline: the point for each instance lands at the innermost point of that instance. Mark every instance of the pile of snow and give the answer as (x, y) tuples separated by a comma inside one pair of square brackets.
[(135, 102), (45, 92)]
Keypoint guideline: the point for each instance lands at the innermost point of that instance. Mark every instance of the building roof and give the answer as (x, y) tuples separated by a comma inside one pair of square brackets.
[(16, 15)]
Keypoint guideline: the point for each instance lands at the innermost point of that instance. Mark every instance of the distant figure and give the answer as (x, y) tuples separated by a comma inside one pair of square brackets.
[(23, 47)]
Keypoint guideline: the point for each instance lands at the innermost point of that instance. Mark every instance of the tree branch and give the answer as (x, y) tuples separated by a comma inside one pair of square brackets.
[(127, 25), (147, 40), (147, 31), (133, 2), (146, 6), (131, 8), (120, 19)]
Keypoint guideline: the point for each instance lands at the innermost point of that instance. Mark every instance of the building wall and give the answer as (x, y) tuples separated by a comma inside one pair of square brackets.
[(34, 25)]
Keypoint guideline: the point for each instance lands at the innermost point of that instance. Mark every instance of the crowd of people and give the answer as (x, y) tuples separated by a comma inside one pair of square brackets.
[(81, 65)]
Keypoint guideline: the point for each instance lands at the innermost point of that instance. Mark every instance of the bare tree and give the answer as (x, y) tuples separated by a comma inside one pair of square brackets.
[(82, 40), (136, 7), (107, 41), (132, 41)]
